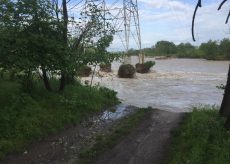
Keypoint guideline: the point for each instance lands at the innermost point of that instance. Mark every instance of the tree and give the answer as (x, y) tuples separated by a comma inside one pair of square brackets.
[(225, 105), (210, 49), (225, 48), (34, 36), (165, 48), (132, 51), (148, 51), (185, 50), (30, 37), (88, 41)]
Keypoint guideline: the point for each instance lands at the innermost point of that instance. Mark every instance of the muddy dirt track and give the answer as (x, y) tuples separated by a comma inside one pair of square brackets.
[(147, 144)]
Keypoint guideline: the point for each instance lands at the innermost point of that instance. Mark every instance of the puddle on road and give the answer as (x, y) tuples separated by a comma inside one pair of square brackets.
[(117, 112)]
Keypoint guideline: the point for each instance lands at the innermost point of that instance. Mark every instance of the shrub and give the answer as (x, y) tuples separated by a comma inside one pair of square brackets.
[(144, 68), (27, 117), (149, 64), (85, 71), (105, 67), (126, 71)]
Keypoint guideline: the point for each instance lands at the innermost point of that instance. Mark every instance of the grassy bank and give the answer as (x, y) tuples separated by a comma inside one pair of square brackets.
[(201, 139), (108, 141), (25, 118)]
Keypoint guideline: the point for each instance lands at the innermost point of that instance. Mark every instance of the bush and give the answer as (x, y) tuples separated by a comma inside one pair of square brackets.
[(84, 71), (27, 117), (149, 64), (201, 139), (126, 71), (144, 68), (105, 67)]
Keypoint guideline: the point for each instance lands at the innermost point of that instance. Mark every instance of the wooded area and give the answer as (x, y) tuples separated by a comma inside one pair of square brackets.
[(212, 50), (35, 40)]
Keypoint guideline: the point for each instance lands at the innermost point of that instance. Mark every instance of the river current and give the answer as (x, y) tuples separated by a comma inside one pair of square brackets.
[(172, 84)]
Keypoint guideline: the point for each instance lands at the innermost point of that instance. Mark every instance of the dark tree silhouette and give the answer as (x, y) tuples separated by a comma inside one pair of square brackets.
[(225, 105), (65, 39), (193, 18), (199, 4), (228, 12)]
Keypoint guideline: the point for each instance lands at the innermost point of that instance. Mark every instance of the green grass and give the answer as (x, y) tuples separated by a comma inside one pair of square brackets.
[(25, 118), (108, 141), (201, 139)]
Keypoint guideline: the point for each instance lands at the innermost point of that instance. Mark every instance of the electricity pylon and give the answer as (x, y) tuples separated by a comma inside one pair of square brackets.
[(132, 26), (124, 16)]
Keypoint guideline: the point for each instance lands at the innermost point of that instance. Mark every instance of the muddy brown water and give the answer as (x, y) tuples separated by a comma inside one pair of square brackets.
[(172, 84)]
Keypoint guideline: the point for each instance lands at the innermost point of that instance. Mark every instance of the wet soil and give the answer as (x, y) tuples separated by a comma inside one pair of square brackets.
[(148, 143), (64, 147)]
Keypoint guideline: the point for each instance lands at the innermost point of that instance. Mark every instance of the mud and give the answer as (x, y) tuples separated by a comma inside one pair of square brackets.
[(65, 146), (148, 143)]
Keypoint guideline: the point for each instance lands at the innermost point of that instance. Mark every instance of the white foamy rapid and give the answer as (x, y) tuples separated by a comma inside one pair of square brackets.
[(173, 84)]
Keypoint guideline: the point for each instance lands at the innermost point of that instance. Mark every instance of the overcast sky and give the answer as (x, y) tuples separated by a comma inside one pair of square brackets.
[(171, 20)]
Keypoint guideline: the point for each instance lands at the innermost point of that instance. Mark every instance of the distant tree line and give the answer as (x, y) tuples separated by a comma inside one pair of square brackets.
[(212, 50)]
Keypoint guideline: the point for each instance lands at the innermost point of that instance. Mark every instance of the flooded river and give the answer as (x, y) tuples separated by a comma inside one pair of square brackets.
[(173, 84)]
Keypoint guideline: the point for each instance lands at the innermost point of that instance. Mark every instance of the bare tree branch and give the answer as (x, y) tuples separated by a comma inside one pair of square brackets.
[(76, 5), (194, 15), (82, 35), (55, 8), (193, 18), (226, 22), (222, 3)]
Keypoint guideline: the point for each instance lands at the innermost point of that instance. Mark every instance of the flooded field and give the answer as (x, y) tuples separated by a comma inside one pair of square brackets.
[(173, 84)]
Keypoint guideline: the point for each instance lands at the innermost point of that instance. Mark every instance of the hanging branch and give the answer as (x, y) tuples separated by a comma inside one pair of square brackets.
[(222, 3), (76, 5), (193, 18), (226, 22), (194, 15)]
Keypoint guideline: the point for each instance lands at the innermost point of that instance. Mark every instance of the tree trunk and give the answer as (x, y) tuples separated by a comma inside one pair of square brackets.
[(27, 81), (46, 80), (227, 123), (62, 82), (225, 105), (65, 39)]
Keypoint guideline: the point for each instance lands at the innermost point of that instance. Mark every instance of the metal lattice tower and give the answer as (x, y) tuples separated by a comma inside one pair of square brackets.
[(126, 21), (124, 16), (132, 24)]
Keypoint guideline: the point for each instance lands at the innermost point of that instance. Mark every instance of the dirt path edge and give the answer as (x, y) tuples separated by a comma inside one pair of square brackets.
[(148, 143)]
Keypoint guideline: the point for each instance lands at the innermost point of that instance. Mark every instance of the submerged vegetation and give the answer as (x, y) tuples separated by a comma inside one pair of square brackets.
[(126, 71), (145, 67), (201, 139)]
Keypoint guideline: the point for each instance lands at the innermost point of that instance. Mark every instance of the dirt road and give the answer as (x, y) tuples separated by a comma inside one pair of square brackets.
[(148, 144)]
